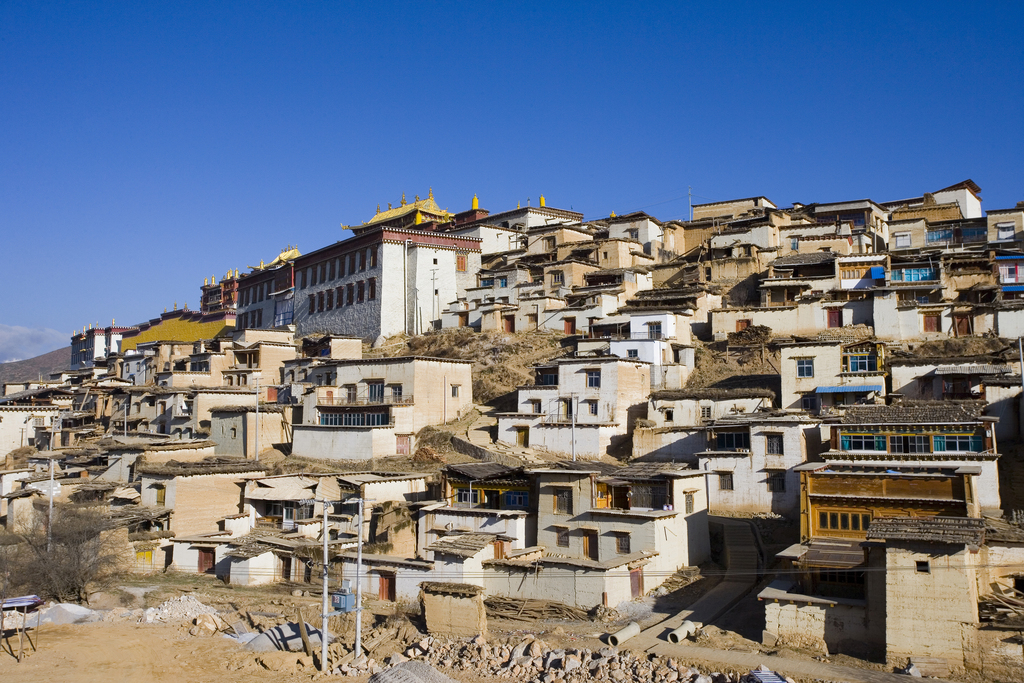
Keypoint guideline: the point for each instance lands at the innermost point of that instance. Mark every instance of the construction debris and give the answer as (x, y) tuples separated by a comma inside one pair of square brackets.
[(528, 609)]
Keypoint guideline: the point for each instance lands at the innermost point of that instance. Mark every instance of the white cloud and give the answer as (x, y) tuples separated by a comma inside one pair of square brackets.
[(18, 343)]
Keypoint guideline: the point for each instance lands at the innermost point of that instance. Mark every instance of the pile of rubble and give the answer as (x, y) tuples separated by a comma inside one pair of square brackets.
[(532, 661), (183, 608)]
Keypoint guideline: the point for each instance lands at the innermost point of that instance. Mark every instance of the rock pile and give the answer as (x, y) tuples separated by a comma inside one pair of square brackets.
[(532, 661), (183, 608)]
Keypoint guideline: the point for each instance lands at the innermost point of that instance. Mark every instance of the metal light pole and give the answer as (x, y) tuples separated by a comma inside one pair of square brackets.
[(358, 645), (49, 517), (325, 605), (572, 409)]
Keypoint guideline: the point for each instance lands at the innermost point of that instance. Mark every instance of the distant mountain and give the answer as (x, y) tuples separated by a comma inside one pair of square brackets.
[(34, 368)]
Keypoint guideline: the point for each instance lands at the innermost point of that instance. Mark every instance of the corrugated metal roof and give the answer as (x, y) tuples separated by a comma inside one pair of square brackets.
[(847, 388), (972, 369)]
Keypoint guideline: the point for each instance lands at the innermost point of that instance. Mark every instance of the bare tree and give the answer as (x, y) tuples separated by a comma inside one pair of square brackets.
[(85, 554)]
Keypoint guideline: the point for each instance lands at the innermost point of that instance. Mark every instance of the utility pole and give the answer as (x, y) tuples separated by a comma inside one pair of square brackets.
[(325, 604), (256, 375), (689, 196), (572, 410), (433, 295), (358, 649), (49, 517)]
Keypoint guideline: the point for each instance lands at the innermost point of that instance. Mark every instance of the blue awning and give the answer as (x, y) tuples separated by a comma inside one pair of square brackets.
[(848, 389), (1009, 258), (877, 273), (1013, 288)]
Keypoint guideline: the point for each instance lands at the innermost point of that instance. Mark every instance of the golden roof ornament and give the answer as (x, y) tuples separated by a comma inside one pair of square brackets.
[(430, 193), (378, 209), (403, 200), (389, 206), (612, 215), (476, 203)]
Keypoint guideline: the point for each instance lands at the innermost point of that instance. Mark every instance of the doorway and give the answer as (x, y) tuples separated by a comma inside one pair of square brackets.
[(835, 318), (509, 323), (590, 544), (636, 582), (523, 436), (387, 586), (206, 560)]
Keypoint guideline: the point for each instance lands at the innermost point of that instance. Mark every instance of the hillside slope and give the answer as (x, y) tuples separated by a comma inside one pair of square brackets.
[(34, 368), (501, 361)]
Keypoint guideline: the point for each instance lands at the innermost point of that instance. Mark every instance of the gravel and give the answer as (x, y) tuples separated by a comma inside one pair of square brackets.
[(183, 608)]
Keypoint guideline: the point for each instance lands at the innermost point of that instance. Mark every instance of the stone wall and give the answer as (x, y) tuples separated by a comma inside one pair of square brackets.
[(454, 613)]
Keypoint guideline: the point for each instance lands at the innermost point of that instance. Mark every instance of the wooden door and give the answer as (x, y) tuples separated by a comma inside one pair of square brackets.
[(523, 437), (387, 586), (403, 444), (463, 319), (962, 325), (835, 318), (206, 560), (509, 323), (286, 569), (590, 545), (636, 582), (570, 325)]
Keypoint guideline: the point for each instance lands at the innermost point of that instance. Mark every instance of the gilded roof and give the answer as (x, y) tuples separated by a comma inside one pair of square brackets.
[(427, 205)]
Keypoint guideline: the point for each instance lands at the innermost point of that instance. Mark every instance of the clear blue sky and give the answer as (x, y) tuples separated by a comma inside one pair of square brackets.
[(145, 146)]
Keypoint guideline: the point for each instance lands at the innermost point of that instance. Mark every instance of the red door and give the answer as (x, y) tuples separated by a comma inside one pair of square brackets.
[(835, 318), (636, 582), (510, 323), (403, 445), (205, 560), (570, 325)]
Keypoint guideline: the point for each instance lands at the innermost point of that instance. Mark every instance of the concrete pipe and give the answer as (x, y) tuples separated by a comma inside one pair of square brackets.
[(619, 637), (687, 630)]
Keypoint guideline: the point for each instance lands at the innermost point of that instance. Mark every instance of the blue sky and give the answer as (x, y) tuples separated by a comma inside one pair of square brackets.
[(146, 146)]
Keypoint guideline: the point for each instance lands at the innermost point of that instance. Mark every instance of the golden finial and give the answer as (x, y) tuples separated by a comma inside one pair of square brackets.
[(213, 279), (476, 203), (612, 215), (378, 208), (389, 206), (542, 200), (206, 282), (175, 305), (430, 193), (403, 200), (417, 199), (519, 205), (111, 322), (261, 264)]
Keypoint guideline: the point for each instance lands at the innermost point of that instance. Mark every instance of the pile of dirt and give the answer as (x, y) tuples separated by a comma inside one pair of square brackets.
[(501, 361), (731, 368), (963, 347)]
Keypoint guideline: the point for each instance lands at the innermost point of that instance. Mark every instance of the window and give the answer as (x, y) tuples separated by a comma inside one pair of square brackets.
[(860, 362), (548, 379), (330, 299), (503, 282), (351, 294), (594, 379), (360, 291), (654, 330), (340, 296), (320, 301), (974, 234), (462, 495), (773, 444), (732, 441), (535, 407), (563, 502), (632, 353), (622, 543), (557, 278), (924, 274), (843, 521), (517, 499), (923, 567), (776, 482), (435, 262), (705, 412), (958, 443), (593, 407), (372, 251), (902, 240), (1005, 231), (805, 367), (298, 281), (669, 415), (794, 244), (460, 263), (371, 288), (562, 538), (487, 282), (908, 443), (312, 304), (361, 255), (634, 233), (455, 391), (688, 502), (330, 270), (862, 442), (549, 243), (725, 481), (937, 236)]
